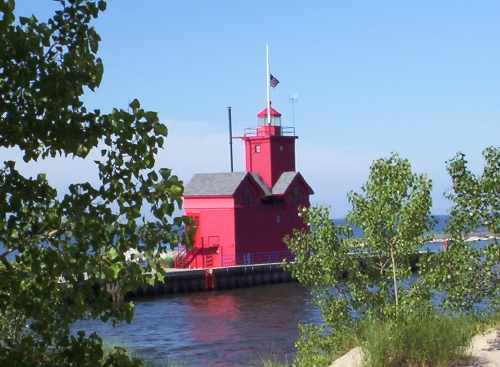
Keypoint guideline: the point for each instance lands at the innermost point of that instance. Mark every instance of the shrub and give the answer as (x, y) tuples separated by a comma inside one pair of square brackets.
[(422, 338)]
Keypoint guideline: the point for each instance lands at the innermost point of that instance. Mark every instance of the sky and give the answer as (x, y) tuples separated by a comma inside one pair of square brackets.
[(420, 78)]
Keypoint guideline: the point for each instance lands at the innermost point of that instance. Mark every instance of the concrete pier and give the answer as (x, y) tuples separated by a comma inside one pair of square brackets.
[(200, 280), (231, 277)]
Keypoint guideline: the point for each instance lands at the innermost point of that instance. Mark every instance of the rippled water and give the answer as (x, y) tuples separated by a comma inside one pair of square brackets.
[(221, 328)]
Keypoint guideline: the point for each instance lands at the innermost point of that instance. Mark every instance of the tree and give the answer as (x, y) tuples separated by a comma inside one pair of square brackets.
[(59, 252), (357, 278), (468, 275), (322, 257), (394, 214)]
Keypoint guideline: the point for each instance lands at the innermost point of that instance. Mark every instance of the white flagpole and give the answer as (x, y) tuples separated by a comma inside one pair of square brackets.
[(268, 86)]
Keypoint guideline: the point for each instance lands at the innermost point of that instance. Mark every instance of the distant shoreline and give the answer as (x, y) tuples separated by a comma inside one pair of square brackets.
[(478, 236)]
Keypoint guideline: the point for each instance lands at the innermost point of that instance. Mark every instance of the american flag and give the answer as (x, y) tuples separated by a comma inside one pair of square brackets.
[(273, 82)]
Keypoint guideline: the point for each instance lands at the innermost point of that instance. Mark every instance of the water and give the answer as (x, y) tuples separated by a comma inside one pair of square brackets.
[(222, 328), (438, 229)]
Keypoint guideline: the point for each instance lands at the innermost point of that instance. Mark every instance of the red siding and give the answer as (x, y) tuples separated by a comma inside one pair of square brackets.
[(275, 155), (257, 229), (216, 217)]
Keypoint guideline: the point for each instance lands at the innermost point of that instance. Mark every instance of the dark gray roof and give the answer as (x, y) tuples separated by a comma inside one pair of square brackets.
[(283, 182), (220, 183), (214, 183), (227, 183), (262, 184)]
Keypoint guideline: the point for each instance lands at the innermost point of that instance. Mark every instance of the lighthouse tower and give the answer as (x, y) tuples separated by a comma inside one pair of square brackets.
[(270, 148)]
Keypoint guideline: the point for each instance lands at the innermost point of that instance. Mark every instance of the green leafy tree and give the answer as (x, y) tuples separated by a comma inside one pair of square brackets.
[(466, 274), (322, 256), (394, 213), (357, 278), (58, 252)]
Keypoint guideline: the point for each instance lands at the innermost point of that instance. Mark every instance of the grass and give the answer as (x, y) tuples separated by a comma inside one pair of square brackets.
[(270, 360), (430, 339)]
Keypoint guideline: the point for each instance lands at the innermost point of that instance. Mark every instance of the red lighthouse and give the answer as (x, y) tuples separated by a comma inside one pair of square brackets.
[(242, 217)]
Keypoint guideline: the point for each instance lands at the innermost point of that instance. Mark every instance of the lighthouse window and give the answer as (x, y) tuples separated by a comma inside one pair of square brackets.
[(297, 196), (282, 148), (246, 197), (278, 218), (257, 148)]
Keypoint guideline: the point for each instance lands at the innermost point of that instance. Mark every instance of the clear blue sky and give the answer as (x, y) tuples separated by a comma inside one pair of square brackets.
[(420, 78)]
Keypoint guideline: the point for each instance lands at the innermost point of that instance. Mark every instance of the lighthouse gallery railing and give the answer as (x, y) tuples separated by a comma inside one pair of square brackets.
[(283, 131), (257, 258)]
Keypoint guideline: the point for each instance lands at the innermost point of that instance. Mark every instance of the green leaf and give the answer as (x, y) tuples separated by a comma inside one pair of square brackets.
[(161, 129), (134, 105), (113, 253), (176, 190), (112, 271), (165, 173), (153, 176)]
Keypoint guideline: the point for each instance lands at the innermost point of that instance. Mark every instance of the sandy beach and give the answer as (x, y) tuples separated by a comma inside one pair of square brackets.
[(484, 350)]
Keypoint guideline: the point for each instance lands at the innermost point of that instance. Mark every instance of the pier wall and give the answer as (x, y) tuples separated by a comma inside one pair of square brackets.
[(200, 280)]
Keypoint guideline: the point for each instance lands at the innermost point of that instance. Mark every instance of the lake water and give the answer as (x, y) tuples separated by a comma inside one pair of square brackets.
[(221, 328)]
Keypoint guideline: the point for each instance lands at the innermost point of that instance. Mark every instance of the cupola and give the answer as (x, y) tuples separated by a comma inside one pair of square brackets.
[(275, 117)]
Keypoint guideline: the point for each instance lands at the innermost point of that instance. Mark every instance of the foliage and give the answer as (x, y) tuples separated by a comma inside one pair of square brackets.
[(417, 339), (168, 262), (394, 216), (59, 252), (465, 274), (117, 348), (380, 305), (393, 212), (322, 256)]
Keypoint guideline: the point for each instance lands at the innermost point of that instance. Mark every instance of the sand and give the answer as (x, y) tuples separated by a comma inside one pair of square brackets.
[(484, 349), (350, 359)]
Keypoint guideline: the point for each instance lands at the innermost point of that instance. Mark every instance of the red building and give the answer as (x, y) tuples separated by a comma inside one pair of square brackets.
[(242, 217)]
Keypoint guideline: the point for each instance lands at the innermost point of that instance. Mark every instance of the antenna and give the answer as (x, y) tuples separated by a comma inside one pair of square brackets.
[(230, 137), (293, 99)]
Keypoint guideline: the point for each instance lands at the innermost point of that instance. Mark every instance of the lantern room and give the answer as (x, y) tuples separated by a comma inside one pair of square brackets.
[(269, 118)]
